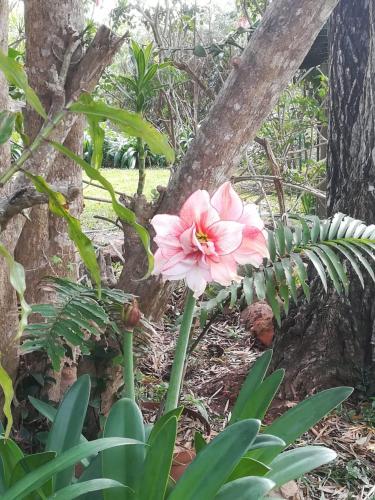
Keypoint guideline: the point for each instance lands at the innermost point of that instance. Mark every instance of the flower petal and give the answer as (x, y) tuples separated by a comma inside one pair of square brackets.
[(227, 202), (198, 210), (196, 280), (168, 225), (253, 248), (226, 235), (224, 271), (251, 216)]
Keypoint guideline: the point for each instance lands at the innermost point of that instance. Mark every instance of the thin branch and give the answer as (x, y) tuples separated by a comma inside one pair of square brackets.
[(270, 178)]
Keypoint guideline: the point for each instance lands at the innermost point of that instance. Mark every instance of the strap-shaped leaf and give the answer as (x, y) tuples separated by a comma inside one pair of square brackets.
[(339, 268), (335, 224), (260, 285), (96, 133), (290, 278), (350, 258), (318, 266), (123, 212), (6, 385), (302, 274), (7, 121), (245, 488), (57, 205), (272, 296), (330, 268), (130, 123), (16, 75), (356, 249)]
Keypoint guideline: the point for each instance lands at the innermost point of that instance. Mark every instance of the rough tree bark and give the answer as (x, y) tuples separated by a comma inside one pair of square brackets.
[(332, 340), (8, 299), (273, 55), (48, 30)]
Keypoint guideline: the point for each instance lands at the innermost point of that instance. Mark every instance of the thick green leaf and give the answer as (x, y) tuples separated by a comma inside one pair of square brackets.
[(259, 401), (335, 224), (67, 425), (302, 274), (260, 285), (248, 467), (37, 478), (208, 471), (339, 268), (265, 441), (350, 258), (301, 418), (272, 297), (16, 75), (271, 245), (245, 488), (248, 289), (123, 212), (158, 462), (93, 471), (294, 463), (130, 123), (96, 133), (10, 454), (199, 442), (252, 382), (290, 278), (359, 255), (280, 239), (18, 282), (124, 464), (7, 121), (29, 463), (159, 424), (78, 489), (57, 205), (330, 268), (6, 385)]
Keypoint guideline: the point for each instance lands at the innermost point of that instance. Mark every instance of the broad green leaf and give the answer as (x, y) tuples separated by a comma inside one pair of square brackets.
[(271, 296), (16, 75), (252, 382), (260, 285), (10, 454), (78, 489), (293, 464), (199, 442), (245, 488), (351, 259), (6, 385), (158, 462), (159, 424), (302, 274), (37, 478), (29, 463), (7, 121), (352, 228), (18, 282), (271, 245), (67, 425), (318, 266), (248, 467), (360, 257), (96, 133), (343, 227), (123, 212), (299, 419), (248, 289), (124, 464), (288, 268), (129, 123), (208, 471), (57, 205), (315, 229), (280, 239), (93, 471), (259, 401), (265, 441)]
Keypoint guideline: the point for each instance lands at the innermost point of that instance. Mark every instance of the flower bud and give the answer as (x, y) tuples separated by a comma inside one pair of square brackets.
[(130, 314)]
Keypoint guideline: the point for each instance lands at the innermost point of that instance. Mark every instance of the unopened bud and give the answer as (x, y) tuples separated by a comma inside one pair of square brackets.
[(131, 314)]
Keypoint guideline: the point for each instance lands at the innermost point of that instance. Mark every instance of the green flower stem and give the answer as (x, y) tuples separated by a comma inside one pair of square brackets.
[(175, 382), (128, 365)]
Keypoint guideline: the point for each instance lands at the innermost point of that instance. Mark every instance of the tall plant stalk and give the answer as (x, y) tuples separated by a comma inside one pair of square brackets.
[(128, 365), (141, 166), (175, 383)]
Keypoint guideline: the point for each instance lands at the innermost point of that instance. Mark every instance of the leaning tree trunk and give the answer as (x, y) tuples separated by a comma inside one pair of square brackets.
[(274, 53), (332, 340)]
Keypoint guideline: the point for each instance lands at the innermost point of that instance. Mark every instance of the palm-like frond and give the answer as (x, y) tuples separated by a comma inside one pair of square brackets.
[(75, 316), (329, 245)]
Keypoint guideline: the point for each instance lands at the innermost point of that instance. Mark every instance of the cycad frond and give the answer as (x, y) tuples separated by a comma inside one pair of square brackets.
[(76, 315), (329, 245)]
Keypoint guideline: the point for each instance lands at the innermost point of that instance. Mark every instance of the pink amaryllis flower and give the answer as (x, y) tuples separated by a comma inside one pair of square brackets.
[(208, 239)]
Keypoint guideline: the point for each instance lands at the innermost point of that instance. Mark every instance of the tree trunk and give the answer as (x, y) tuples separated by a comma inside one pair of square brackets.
[(8, 299), (268, 63), (332, 340), (44, 236)]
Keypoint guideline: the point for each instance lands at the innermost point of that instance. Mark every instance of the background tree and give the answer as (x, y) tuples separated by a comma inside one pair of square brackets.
[(332, 338), (258, 77)]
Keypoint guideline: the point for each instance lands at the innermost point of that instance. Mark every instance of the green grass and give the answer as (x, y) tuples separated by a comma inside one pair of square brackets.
[(124, 181)]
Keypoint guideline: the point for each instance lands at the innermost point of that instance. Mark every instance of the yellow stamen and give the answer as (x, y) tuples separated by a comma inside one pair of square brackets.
[(202, 237)]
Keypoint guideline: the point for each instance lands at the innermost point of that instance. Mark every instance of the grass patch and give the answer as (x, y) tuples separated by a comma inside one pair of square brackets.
[(124, 181)]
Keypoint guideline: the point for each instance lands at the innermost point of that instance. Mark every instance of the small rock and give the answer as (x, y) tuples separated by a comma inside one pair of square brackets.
[(258, 319)]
